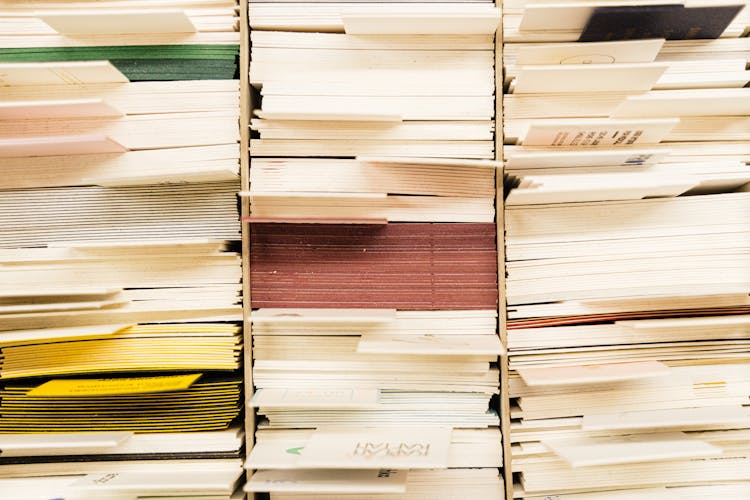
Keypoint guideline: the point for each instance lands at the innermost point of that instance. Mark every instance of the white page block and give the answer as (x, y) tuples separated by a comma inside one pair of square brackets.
[(588, 78), (55, 292), (592, 374), (153, 483), (60, 73), (106, 22), (50, 487), (586, 158), (207, 174), (321, 481), (316, 398), (47, 442), (401, 447), (635, 494), (688, 322), (598, 132), (666, 419), (59, 145), (61, 306), (575, 188), (338, 115), (556, 17), (294, 316), (725, 80), (73, 108), (658, 104), (332, 198), (172, 244), (685, 301), (442, 162), (436, 21), (635, 448), (625, 51), (430, 345)]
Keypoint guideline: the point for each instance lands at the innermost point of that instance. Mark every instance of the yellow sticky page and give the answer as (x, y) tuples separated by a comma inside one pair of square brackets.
[(113, 386)]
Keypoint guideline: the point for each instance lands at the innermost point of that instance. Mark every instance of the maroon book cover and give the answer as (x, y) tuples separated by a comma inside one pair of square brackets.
[(402, 266)]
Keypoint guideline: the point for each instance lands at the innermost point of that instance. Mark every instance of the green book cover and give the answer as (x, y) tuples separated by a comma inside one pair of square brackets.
[(144, 62)]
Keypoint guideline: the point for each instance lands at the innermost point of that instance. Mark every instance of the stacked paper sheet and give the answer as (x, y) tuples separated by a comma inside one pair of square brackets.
[(149, 166), (638, 81), (110, 142), (605, 271), (86, 437), (121, 281), (373, 263), (394, 189), (422, 484), (105, 284), (64, 450), (282, 449), (126, 485), (345, 95), (467, 448), (115, 214), (173, 40), (627, 252), (40, 472), (365, 17), (376, 371)]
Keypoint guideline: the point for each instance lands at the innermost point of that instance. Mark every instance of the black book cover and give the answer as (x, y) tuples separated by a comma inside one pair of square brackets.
[(672, 22)]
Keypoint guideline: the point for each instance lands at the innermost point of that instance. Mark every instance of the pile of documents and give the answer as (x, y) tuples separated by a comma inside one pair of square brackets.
[(167, 40), (373, 263), (36, 217), (211, 479), (380, 367), (120, 277), (627, 224), (390, 94), (388, 189), (424, 484), (309, 464), (390, 17)]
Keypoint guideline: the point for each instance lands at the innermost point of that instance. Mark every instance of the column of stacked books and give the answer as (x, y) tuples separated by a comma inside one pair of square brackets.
[(373, 251), (628, 249), (119, 278)]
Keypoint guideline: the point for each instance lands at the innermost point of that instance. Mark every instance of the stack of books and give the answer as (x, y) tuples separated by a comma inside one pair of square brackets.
[(120, 277), (341, 95), (627, 223), (391, 17), (172, 40), (373, 269), (111, 283), (390, 189)]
